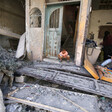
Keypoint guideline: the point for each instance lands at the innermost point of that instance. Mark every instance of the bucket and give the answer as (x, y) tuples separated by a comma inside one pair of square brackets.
[(20, 79)]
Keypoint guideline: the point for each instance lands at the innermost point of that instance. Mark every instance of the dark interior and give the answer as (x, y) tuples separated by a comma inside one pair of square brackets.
[(69, 29)]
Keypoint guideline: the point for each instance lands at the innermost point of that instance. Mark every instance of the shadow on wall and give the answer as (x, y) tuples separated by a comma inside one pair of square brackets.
[(8, 42)]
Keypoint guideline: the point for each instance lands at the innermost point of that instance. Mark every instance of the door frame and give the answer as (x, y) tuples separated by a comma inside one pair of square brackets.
[(82, 28)]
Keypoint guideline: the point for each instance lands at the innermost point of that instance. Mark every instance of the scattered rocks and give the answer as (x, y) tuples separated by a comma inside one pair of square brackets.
[(22, 108), (8, 65), (105, 104)]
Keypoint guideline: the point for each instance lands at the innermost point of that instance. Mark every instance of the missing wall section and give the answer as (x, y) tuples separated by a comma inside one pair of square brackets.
[(35, 18)]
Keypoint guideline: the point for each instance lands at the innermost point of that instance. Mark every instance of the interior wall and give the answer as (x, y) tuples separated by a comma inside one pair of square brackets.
[(99, 18), (12, 16), (4, 41), (8, 42), (12, 20)]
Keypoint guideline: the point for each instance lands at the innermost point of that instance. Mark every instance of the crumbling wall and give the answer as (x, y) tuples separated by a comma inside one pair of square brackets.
[(12, 20), (99, 18), (35, 33), (12, 16)]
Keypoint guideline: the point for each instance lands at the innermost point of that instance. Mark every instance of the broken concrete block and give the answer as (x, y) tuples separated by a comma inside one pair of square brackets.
[(2, 107), (20, 79)]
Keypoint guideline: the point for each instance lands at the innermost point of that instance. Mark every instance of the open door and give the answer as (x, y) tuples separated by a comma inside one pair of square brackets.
[(54, 16)]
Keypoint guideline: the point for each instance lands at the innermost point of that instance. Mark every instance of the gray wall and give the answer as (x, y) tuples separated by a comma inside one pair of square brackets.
[(12, 20), (12, 16)]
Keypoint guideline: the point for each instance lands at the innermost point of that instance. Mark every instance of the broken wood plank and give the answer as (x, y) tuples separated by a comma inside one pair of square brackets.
[(9, 94), (90, 68), (37, 105), (70, 80), (82, 31)]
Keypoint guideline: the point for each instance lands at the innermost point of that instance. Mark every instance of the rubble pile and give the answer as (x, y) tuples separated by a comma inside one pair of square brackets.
[(8, 65), (8, 60), (105, 104), (22, 108)]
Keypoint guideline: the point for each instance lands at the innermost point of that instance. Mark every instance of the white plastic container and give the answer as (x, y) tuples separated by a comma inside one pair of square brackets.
[(20, 79), (92, 54)]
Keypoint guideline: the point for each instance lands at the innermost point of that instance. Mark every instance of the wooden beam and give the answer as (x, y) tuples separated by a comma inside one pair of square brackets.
[(82, 31), (9, 33)]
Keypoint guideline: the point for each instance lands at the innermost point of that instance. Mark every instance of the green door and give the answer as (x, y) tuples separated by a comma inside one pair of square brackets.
[(53, 30)]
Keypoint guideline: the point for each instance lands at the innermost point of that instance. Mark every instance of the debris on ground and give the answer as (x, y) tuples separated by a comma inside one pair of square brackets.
[(8, 65), (52, 99), (72, 80), (16, 107), (105, 73), (105, 104)]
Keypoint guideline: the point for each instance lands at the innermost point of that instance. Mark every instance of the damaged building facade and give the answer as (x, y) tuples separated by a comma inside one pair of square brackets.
[(48, 28), (53, 25), (41, 29)]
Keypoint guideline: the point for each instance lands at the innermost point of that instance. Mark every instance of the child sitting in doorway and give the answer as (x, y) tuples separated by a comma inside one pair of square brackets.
[(64, 55)]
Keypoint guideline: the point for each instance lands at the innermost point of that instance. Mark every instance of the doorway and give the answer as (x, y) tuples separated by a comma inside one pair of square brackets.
[(61, 29), (69, 28)]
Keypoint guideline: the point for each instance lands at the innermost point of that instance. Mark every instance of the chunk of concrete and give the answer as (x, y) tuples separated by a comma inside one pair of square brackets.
[(2, 107)]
